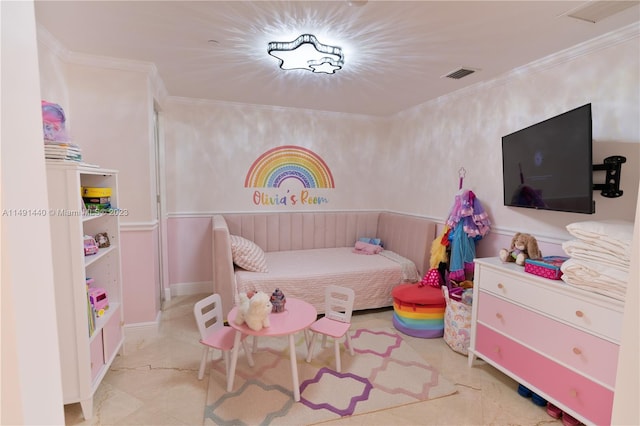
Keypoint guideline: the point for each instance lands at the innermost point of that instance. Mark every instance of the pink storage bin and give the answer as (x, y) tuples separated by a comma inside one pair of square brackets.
[(547, 267)]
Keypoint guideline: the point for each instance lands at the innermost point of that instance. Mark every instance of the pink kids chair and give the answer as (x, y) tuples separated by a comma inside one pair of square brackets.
[(336, 321), (214, 334)]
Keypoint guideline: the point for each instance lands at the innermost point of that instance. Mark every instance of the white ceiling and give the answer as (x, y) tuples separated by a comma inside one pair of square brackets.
[(396, 52)]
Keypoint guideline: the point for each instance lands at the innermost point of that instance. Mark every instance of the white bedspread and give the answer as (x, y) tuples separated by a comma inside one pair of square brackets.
[(304, 274)]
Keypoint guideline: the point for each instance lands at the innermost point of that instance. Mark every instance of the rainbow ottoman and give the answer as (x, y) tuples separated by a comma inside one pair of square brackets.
[(419, 311)]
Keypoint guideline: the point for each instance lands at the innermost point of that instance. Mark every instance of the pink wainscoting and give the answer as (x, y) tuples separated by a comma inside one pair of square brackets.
[(140, 275), (189, 249)]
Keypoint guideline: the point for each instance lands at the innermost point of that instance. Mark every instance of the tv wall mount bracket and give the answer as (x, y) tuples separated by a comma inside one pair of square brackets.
[(613, 167)]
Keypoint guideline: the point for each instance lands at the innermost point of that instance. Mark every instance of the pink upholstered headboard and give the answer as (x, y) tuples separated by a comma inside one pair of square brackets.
[(408, 236), (303, 230)]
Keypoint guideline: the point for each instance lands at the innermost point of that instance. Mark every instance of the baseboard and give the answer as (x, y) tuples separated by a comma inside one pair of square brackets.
[(138, 334), (187, 289)]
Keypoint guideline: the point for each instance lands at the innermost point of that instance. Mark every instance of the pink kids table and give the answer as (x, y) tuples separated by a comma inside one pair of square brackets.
[(297, 316)]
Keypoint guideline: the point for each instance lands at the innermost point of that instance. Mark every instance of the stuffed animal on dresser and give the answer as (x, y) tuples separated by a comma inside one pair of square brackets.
[(523, 246), (254, 311)]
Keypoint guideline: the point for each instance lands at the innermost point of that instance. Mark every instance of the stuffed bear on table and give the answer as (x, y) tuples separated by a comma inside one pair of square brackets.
[(523, 246)]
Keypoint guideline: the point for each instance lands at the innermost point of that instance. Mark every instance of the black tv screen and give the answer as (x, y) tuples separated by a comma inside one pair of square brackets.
[(549, 165)]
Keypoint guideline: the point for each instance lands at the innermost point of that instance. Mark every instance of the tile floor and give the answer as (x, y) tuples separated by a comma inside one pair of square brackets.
[(156, 383)]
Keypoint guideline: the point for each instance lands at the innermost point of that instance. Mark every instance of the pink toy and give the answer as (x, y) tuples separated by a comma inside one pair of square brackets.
[(53, 122), (99, 300), (90, 245)]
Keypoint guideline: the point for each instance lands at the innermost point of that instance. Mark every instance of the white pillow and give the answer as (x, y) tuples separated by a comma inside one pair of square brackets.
[(602, 229), (247, 255)]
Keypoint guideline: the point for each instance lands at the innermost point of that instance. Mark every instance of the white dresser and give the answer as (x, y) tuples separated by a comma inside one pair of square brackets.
[(559, 341)]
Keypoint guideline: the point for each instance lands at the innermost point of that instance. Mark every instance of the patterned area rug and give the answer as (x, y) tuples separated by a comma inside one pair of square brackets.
[(384, 372)]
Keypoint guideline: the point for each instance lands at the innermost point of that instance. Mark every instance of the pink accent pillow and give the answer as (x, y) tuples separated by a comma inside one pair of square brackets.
[(247, 255), (366, 248)]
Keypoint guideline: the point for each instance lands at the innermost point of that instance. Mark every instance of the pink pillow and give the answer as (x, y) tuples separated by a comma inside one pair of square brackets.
[(247, 255), (366, 248)]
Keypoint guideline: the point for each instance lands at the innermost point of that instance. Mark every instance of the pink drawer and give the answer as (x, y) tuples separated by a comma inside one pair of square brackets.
[(557, 300), (592, 401), (97, 355), (586, 353)]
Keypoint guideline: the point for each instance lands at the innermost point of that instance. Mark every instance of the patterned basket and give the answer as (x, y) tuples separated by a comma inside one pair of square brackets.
[(457, 324)]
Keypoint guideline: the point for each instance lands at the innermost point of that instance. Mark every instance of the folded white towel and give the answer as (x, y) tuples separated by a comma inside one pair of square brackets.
[(612, 292), (616, 232), (596, 277), (596, 272), (601, 253)]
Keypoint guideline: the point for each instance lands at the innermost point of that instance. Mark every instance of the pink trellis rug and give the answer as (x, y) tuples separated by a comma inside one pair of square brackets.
[(384, 372)]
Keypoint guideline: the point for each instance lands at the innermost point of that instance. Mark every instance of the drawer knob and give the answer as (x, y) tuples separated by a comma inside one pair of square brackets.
[(573, 393), (497, 349), (498, 315), (579, 314), (500, 286), (577, 351)]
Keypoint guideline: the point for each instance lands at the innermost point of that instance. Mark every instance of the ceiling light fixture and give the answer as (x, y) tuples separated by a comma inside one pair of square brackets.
[(307, 53)]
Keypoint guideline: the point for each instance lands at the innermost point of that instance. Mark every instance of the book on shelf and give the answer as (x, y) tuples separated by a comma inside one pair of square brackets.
[(91, 316)]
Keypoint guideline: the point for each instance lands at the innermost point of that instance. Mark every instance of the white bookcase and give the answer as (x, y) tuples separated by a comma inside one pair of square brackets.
[(85, 357)]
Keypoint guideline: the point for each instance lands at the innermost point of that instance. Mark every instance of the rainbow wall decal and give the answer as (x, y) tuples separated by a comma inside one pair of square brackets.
[(289, 162)]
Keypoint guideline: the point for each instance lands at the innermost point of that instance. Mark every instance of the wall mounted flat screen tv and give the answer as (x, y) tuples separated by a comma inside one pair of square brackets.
[(549, 165)]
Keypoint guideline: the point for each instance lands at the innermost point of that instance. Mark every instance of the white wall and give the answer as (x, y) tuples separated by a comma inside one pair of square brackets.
[(626, 410), (109, 104), (31, 384), (109, 119), (210, 147), (465, 129)]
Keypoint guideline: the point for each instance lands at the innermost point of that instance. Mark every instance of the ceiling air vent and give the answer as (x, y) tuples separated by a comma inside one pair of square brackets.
[(459, 73)]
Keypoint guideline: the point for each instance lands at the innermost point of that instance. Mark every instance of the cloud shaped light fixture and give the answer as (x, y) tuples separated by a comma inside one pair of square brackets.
[(307, 53)]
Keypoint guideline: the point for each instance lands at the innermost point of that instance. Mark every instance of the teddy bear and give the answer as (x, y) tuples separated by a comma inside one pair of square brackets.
[(523, 246), (254, 310)]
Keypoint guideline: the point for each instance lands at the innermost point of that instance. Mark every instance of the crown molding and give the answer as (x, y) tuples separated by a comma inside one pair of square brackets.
[(67, 56), (602, 42), (45, 38)]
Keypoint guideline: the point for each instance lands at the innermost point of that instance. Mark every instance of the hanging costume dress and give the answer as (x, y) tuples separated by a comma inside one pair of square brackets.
[(468, 222)]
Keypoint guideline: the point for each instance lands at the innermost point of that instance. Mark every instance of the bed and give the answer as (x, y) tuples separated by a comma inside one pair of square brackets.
[(305, 252)]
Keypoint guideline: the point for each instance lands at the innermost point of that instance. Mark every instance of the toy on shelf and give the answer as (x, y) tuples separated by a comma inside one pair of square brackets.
[(96, 200), (53, 122), (99, 300), (523, 246), (102, 239), (90, 245)]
